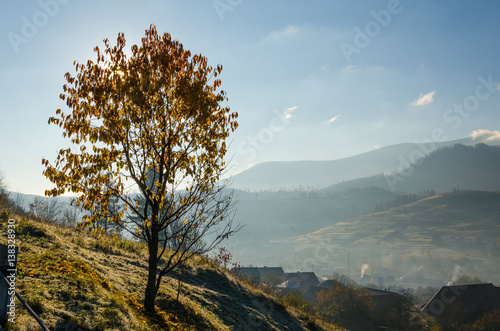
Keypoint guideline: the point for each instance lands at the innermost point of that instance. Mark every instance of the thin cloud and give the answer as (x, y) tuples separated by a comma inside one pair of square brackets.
[(333, 119), (286, 32), (349, 69), (423, 99), (354, 69), (288, 112)]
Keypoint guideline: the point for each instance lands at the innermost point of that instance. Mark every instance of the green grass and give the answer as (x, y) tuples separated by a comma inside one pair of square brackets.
[(75, 280)]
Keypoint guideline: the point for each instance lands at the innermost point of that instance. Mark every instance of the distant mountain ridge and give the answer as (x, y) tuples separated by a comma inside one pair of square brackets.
[(444, 170), (322, 174)]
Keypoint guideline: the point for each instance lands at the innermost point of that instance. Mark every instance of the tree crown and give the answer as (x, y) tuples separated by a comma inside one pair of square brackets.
[(158, 110)]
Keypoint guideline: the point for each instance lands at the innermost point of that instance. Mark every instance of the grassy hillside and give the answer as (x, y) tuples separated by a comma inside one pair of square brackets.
[(75, 281), (285, 214), (433, 237)]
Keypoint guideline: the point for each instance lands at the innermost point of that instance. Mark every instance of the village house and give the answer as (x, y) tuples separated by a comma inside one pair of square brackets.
[(463, 302), (276, 276), (313, 291), (271, 275), (304, 279)]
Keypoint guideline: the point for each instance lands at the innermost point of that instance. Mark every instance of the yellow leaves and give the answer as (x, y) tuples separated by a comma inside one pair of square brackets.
[(156, 109)]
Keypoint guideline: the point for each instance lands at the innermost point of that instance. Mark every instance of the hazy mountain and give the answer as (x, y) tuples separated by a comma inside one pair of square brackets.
[(431, 237), (444, 170), (321, 174), (24, 200), (269, 217)]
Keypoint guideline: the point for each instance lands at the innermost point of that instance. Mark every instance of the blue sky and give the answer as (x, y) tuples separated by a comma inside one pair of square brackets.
[(311, 80)]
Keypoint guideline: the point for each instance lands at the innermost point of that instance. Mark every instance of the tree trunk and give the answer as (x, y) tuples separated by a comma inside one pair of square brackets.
[(150, 295)]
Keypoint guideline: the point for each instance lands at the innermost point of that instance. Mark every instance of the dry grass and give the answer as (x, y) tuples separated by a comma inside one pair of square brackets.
[(75, 281)]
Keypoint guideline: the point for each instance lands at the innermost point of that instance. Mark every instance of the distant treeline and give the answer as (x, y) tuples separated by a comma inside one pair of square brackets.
[(403, 199)]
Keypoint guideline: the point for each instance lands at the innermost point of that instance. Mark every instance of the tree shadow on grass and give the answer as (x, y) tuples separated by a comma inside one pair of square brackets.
[(234, 305), (182, 313)]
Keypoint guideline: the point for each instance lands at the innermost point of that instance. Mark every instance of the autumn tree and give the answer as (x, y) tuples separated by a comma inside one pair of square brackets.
[(148, 125)]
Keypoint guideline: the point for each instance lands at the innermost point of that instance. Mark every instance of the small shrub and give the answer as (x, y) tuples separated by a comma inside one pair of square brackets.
[(102, 245), (488, 321), (130, 246), (223, 258), (294, 300)]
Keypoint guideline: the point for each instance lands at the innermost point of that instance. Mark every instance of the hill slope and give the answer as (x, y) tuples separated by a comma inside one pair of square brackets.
[(287, 214), (75, 281), (431, 236)]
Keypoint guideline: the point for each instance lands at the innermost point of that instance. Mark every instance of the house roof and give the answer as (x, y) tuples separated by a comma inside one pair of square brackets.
[(302, 275), (376, 292), (304, 279), (329, 283), (474, 298), (258, 273), (250, 272), (313, 291), (278, 271)]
